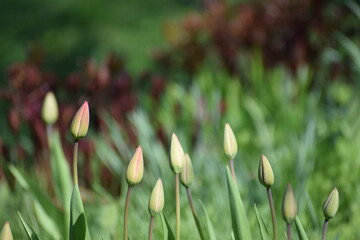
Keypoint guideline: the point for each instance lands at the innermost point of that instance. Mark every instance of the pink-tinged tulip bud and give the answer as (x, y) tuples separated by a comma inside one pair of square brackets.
[(187, 174), (156, 202), (50, 109), (177, 155), (230, 144), (80, 124), (331, 204), (135, 170), (265, 174), (6, 232)]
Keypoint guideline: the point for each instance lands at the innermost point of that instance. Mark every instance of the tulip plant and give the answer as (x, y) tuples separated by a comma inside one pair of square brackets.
[(184, 173)]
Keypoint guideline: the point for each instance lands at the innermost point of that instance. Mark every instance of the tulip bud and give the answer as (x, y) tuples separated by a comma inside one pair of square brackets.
[(289, 206), (331, 204), (230, 144), (156, 202), (265, 174), (6, 232), (187, 174), (177, 155), (135, 169), (50, 109), (80, 123)]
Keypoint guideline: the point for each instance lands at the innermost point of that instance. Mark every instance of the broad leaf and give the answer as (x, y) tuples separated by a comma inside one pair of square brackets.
[(30, 232)]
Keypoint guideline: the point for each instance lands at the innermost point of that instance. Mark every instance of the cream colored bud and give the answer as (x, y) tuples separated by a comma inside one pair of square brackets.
[(80, 123), (6, 232), (187, 174), (331, 204), (50, 109), (135, 170), (156, 202), (265, 174), (177, 156), (289, 205), (230, 144)]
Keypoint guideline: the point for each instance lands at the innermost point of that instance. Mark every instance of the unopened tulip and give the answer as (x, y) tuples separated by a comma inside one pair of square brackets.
[(230, 144), (187, 174), (50, 109), (331, 204), (135, 169), (265, 174), (177, 155), (289, 205), (156, 202), (80, 123)]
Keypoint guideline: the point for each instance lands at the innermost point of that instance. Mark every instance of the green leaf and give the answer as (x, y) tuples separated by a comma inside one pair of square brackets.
[(199, 228), (300, 229), (262, 227), (78, 225), (28, 229), (210, 228), (240, 224), (167, 232), (6, 232)]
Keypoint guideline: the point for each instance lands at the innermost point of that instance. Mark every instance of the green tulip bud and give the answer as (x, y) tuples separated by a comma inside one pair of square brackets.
[(265, 174), (6, 232), (230, 144), (289, 205), (177, 155), (135, 170), (156, 202), (331, 204), (187, 174), (80, 123), (50, 109)]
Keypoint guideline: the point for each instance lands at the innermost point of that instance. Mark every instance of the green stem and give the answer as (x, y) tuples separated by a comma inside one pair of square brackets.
[(288, 231), (273, 215), (197, 222), (127, 202), (151, 227), (323, 237), (232, 169), (177, 195), (75, 160)]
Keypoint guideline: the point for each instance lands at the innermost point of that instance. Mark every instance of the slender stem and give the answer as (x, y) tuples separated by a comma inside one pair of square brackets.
[(75, 159), (323, 237), (49, 129), (151, 227), (288, 231), (273, 215), (232, 169), (127, 202), (198, 225), (177, 195)]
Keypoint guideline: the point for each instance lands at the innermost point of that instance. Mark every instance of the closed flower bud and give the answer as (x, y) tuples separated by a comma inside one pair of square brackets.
[(230, 144), (289, 206), (80, 123), (266, 175), (156, 202), (135, 170), (331, 204), (187, 174), (6, 232), (177, 156), (50, 109)]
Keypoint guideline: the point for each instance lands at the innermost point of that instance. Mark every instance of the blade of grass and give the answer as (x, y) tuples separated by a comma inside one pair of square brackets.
[(262, 227), (30, 232), (210, 228), (300, 229), (167, 232)]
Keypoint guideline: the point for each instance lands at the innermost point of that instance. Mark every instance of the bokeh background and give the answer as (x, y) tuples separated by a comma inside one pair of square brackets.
[(284, 73)]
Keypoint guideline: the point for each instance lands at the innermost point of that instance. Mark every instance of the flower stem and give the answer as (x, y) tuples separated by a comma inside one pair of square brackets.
[(273, 215), (232, 169), (198, 225), (127, 202), (177, 195), (323, 237), (151, 227), (288, 231), (75, 159)]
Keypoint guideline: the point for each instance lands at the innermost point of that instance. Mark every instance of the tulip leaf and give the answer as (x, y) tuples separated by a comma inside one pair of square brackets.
[(239, 220), (30, 232), (262, 227), (210, 228), (300, 229), (167, 232)]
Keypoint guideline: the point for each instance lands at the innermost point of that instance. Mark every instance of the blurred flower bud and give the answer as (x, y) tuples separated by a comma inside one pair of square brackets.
[(289, 205), (230, 144), (187, 174), (266, 175), (135, 170), (6, 232), (50, 109), (177, 155), (156, 202), (80, 123), (331, 204)]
